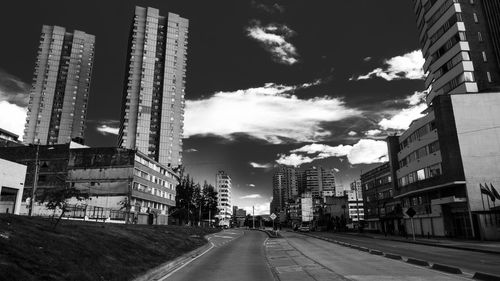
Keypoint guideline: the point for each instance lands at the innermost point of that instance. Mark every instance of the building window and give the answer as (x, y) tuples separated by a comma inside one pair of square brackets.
[(488, 74), (479, 36), (475, 18), (484, 56)]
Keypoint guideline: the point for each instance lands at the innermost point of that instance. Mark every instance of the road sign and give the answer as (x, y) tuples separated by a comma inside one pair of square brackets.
[(411, 212), (273, 216)]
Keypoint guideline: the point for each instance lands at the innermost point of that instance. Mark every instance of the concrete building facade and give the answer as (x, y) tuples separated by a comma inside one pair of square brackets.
[(285, 188), (223, 187), (443, 157), (153, 96), (355, 202), (120, 182), (12, 177), (320, 181), (382, 213), (57, 107)]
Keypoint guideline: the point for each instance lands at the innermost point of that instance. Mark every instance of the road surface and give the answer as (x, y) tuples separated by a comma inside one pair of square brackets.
[(352, 264), (468, 261), (236, 255)]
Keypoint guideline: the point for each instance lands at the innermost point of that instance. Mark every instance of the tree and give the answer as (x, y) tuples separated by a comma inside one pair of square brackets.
[(57, 198), (210, 201)]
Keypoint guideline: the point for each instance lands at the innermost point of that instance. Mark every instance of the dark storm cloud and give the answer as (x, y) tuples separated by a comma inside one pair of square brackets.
[(13, 90)]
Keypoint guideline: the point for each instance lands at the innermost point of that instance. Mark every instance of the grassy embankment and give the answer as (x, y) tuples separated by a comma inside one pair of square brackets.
[(31, 250)]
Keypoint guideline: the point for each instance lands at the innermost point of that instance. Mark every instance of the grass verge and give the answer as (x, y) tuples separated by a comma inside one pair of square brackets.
[(31, 250)]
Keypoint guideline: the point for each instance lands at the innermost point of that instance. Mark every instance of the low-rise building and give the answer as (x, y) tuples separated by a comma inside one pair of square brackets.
[(355, 203), (381, 211), (121, 183), (12, 177)]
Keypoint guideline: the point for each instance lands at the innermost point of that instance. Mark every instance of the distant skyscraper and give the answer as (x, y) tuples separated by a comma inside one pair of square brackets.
[(153, 95), (59, 95), (285, 188), (320, 182), (223, 187), (461, 45)]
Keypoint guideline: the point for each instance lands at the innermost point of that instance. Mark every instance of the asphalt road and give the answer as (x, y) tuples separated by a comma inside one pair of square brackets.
[(468, 261), (352, 264), (236, 255)]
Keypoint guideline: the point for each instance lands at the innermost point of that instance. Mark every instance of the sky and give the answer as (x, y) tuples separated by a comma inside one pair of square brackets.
[(299, 83)]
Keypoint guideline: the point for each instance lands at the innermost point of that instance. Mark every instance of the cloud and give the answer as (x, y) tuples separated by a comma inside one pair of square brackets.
[(368, 151), (324, 150), (14, 97), (365, 151), (13, 90), (367, 59), (260, 209), (271, 113), (294, 159), (191, 150), (352, 133), (273, 37), (12, 118), (275, 8), (402, 119), (407, 66), (261, 166), (251, 185), (251, 196), (105, 130), (373, 132)]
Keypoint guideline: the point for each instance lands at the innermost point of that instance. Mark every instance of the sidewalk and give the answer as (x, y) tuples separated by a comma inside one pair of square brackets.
[(289, 264), (491, 247)]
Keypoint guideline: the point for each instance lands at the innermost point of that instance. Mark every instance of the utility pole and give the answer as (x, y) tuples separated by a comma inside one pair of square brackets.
[(35, 179), (253, 216), (209, 217)]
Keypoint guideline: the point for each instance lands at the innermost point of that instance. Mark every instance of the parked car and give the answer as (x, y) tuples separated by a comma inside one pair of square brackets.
[(305, 226)]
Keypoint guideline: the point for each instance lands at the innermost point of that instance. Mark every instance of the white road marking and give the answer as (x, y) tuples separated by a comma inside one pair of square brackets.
[(168, 275)]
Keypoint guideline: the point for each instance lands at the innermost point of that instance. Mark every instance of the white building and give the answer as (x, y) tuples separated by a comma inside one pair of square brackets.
[(12, 177), (355, 202), (224, 203)]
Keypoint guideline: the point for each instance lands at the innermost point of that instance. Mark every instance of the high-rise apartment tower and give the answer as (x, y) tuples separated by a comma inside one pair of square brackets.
[(153, 95), (59, 95), (461, 45), (285, 188), (223, 187)]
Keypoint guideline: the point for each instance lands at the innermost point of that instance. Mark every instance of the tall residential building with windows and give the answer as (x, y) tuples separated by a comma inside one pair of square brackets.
[(320, 182), (153, 94), (223, 187), (285, 188), (461, 45), (59, 95), (443, 159)]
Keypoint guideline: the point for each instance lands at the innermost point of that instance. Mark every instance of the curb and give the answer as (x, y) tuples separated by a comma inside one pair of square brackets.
[(485, 277), (435, 266), (445, 268), (429, 244), (165, 268), (376, 252), (394, 257), (417, 262)]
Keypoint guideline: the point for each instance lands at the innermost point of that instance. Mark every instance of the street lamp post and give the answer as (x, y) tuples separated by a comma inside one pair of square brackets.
[(35, 179)]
